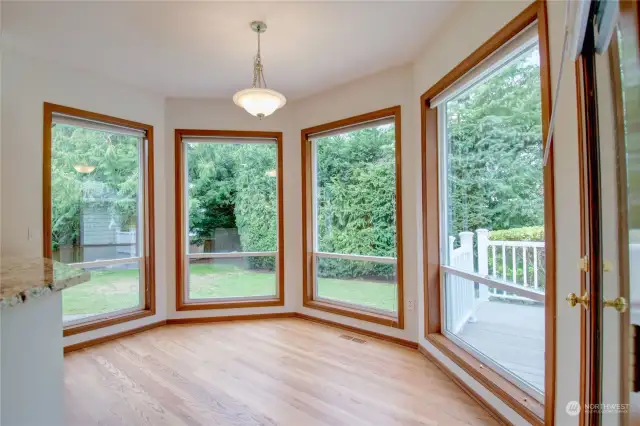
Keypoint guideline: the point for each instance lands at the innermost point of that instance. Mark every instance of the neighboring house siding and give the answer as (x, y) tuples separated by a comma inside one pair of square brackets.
[(99, 227)]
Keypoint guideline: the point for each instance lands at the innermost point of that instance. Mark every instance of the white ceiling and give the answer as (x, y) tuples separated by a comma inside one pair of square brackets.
[(206, 49)]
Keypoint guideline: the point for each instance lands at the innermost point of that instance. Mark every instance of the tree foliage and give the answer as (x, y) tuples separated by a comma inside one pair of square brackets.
[(494, 168), (234, 186), (495, 150), (356, 200), (113, 185)]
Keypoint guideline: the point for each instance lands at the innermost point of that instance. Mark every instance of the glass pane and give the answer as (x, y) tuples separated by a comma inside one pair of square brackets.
[(232, 197), (253, 276), (493, 177), (356, 282), (506, 328), (111, 289), (629, 57), (95, 183), (356, 192)]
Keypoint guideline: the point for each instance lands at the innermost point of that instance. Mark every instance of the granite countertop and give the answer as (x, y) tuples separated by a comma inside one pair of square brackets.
[(22, 279)]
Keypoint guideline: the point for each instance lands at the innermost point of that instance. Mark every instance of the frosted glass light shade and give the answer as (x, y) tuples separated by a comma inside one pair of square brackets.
[(259, 102)]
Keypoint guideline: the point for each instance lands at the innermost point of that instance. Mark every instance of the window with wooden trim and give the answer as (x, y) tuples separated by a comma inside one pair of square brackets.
[(229, 232), (98, 214), (488, 206), (352, 217)]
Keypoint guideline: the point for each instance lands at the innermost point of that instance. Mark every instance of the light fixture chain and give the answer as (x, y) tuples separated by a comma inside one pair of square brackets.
[(259, 101), (262, 77), (258, 75)]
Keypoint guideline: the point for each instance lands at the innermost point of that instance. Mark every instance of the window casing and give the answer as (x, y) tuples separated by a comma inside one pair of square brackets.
[(229, 219), (352, 239), (98, 199), (471, 261)]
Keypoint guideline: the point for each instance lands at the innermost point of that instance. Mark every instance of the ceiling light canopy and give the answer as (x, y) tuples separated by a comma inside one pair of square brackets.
[(259, 101)]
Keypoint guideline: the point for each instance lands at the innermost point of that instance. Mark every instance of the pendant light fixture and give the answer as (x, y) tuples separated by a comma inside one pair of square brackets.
[(258, 100)]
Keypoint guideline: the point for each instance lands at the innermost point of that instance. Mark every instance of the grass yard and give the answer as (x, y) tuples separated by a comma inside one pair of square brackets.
[(375, 294), (107, 291), (114, 290)]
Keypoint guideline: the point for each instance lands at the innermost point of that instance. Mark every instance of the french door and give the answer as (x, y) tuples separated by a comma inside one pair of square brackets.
[(610, 92)]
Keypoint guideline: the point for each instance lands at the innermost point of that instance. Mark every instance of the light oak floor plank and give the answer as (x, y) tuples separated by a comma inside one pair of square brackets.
[(278, 372)]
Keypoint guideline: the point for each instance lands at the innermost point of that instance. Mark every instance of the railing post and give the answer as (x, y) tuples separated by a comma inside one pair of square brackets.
[(452, 239), (483, 261), (466, 244)]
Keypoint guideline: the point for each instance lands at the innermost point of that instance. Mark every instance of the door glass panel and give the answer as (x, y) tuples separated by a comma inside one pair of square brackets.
[(628, 123), (505, 328), (492, 218)]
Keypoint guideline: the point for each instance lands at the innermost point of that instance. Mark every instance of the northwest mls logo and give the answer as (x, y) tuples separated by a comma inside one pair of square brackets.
[(573, 408)]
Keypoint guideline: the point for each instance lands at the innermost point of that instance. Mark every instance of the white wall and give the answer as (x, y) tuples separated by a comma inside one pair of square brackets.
[(27, 84), (222, 114), (381, 90), (469, 28), (32, 364)]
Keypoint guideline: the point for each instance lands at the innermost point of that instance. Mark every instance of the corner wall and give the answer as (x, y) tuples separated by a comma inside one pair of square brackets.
[(27, 84)]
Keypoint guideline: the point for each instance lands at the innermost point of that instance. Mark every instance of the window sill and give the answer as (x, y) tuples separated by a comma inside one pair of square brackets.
[(247, 303), (354, 313), (520, 401), (101, 323)]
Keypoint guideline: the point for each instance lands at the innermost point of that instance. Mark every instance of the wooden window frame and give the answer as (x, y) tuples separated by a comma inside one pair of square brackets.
[(308, 254), (181, 303), (147, 168), (513, 396)]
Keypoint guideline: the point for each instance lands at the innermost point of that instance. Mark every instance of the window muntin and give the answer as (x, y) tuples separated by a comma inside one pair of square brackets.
[(231, 226), (97, 216), (354, 217), (492, 214)]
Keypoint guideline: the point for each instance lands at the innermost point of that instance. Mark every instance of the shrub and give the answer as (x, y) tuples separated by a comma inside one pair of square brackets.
[(527, 233)]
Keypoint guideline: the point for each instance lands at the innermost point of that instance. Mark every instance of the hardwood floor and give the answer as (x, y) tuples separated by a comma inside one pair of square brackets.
[(287, 372)]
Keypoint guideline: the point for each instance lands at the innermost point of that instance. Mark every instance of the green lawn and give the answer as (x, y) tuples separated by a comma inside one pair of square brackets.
[(380, 295), (113, 290)]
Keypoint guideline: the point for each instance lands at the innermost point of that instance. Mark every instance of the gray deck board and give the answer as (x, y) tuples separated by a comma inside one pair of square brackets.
[(512, 335)]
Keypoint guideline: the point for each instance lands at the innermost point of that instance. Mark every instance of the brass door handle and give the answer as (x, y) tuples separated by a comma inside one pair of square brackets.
[(619, 304), (574, 299)]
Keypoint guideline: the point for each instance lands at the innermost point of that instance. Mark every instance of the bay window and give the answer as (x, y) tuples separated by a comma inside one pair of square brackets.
[(229, 216), (352, 239), (98, 209)]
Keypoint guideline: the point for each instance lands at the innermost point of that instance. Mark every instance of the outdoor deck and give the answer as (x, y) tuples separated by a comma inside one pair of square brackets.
[(512, 335)]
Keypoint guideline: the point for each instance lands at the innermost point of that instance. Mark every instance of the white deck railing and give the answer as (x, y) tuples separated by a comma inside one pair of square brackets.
[(461, 300), (525, 258), (517, 263)]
